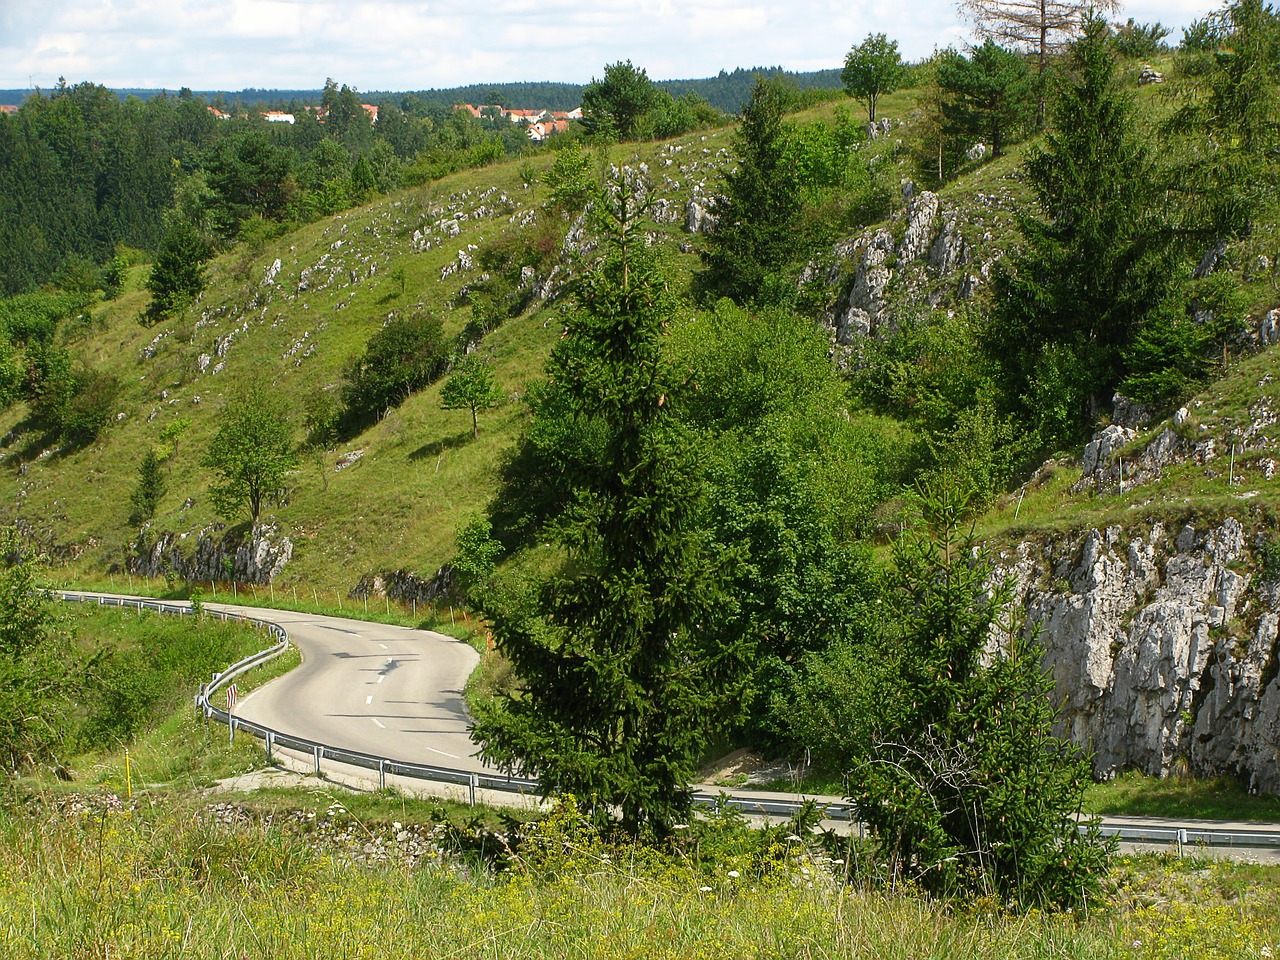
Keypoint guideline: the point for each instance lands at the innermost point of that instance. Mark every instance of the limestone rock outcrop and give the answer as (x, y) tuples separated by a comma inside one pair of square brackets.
[(1163, 646), (403, 586), (260, 557)]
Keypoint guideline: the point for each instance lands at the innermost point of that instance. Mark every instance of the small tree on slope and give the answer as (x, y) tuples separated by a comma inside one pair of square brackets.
[(963, 784)]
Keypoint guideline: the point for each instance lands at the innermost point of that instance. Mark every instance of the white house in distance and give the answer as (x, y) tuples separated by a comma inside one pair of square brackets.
[(540, 124)]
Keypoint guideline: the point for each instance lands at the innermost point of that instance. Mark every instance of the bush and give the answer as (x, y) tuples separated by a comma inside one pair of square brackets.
[(92, 406), (405, 355)]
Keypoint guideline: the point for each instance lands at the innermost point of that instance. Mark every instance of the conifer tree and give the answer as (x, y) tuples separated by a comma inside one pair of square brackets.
[(755, 234), (617, 699), (962, 781), (150, 489), (1098, 265)]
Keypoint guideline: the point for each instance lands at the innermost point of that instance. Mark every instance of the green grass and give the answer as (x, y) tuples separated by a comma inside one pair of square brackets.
[(1134, 794), (170, 877)]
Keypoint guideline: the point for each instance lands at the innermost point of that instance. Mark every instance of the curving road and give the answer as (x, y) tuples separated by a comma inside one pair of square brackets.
[(396, 692), (369, 687)]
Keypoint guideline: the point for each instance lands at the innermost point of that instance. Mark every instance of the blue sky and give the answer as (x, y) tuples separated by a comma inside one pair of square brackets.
[(417, 44)]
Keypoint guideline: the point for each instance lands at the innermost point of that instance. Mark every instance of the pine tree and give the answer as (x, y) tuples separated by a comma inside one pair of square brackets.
[(756, 230), (177, 277), (617, 699), (1099, 265)]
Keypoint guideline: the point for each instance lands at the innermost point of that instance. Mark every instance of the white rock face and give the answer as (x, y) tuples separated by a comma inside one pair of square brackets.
[(1163, 648), (259, 558), (922, 211)]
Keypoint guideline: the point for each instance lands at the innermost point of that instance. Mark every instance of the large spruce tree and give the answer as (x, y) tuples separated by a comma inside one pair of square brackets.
[(755, 236), (1098, 265), (617, 699)]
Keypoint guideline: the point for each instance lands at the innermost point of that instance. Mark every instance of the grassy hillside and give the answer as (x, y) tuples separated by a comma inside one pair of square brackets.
[(420, 475)]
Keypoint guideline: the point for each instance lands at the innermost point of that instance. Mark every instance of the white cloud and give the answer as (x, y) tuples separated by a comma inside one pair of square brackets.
[(414, 44)]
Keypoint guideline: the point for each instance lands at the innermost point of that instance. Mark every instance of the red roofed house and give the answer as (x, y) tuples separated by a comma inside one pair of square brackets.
[(540, 131), (524, 116), (9, 108), (372, 111)]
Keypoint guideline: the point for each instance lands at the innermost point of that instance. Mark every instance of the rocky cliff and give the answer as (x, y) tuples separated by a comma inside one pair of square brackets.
[(256, 557), (1162, 644)]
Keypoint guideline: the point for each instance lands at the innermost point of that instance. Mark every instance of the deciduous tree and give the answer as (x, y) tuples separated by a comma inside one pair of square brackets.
[(872, 69), (250, 454), (471, 387)]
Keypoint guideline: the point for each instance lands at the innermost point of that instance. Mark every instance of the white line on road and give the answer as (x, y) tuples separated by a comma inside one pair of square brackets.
[(368, 700), (381, 677), (434, 750), (384, 646), (378, 722)]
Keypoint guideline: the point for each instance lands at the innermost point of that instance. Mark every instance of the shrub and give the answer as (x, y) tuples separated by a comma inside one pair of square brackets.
[(405, 355), (92, 405)]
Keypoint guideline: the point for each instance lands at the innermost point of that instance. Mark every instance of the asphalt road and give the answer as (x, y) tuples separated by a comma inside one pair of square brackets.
[(378, 689), (396, 692)]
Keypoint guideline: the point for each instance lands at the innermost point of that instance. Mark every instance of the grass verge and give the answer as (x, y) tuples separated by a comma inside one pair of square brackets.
[(181, 877)]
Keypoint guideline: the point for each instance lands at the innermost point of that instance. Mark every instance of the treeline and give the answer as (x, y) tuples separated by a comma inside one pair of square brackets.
[(730, 91), (87, 176)]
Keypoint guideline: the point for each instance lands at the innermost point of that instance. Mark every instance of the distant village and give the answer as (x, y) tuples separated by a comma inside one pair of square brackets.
[(539, 124)]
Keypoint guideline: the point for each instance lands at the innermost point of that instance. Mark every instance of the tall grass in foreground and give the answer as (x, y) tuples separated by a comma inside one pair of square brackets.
[(88, 878)]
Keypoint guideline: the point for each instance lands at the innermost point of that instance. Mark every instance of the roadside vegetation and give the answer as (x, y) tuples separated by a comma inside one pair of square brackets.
[(176, 877)]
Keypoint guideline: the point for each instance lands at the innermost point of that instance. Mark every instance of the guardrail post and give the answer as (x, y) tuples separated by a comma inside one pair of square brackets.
[(472, 782), (1182, 839), (382, 774), (270, 743), (318, 750)]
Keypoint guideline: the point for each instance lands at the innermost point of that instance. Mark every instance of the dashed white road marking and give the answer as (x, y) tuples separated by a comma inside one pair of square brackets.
[(384, 646), (378, 722), (368, 700), (453, 756), (381, 677)]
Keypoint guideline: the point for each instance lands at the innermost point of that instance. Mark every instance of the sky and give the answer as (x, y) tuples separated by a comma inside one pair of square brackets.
[(421, 44)]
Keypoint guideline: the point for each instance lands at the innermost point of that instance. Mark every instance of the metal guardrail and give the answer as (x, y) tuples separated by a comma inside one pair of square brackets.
[(1178, 837)]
